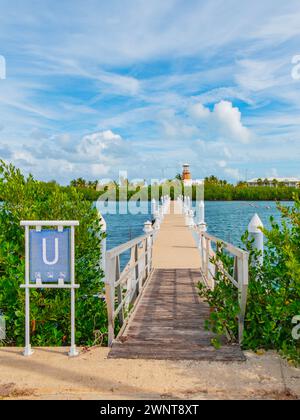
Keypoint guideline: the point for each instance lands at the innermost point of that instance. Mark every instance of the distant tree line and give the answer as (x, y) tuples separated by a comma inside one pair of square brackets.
[(215, 190)]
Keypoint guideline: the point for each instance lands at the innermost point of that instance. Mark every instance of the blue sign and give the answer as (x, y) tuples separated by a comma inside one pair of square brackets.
[(50, 256)]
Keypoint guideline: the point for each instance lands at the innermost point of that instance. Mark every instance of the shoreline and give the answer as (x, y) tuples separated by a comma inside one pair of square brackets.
[(207, 201)]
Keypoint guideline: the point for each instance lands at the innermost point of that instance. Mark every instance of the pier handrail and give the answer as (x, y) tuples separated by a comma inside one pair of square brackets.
[(120, 249), (124, 288), (210, 267)]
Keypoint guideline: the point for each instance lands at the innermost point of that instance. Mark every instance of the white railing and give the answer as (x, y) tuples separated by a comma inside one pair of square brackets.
[(211, 265), (124, 288)]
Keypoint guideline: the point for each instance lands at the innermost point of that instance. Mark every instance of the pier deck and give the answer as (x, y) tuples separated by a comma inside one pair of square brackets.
[(175, 246), (168, 322)]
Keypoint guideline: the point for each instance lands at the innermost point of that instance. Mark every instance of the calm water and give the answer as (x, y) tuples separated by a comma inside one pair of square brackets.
[(227, 220)]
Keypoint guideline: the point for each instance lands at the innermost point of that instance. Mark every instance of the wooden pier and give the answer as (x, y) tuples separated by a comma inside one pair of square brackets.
[(168, 320)]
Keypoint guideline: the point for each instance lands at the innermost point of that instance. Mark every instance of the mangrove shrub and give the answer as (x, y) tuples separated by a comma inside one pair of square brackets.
[(273, 294), (25, 198)]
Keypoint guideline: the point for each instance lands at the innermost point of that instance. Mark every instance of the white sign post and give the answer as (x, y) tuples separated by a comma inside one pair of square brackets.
[(49, 264)]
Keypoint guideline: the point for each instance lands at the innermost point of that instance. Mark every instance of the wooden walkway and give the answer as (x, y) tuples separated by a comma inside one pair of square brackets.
[(168, 322)]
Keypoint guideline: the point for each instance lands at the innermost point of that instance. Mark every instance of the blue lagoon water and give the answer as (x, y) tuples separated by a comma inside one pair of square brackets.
[(122, 228), (227, 220)]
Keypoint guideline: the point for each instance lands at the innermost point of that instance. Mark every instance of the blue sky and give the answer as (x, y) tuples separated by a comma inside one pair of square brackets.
[(94, 87)]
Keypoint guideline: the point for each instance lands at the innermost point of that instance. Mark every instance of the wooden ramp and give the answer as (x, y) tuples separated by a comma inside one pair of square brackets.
[(168, 322)]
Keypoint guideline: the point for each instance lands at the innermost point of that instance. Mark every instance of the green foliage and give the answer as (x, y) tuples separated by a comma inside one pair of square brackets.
[(28, 199), (215, 190), (242, 192), (273, 294), (88, 194)]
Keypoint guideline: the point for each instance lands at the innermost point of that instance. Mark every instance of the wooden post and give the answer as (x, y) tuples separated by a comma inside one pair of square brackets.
[(207, 248), (28, 351), (190, 218), (110, 297), (147, 229), (242, 271), (235, 268), (131, 280), (137, 271), (146, 259), (103, 243), (254, 229), (201, 215), (151, 241), (202, 226), (217, 251), (202, 253), (119, 290), (153, 207)]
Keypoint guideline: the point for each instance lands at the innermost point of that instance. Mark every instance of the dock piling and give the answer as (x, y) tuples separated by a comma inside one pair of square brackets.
[(255, 232)]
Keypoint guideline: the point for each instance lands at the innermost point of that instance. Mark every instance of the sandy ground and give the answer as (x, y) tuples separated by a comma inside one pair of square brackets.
[(51, 374)]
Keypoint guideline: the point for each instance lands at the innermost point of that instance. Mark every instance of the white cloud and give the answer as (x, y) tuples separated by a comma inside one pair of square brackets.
[(199, 111), (98, 145), (233, 173), (212, 150), (99, 170), (174, 126), (257, 75), (224, 118), (107, 81), (222, 163), (94, 155), (280, 28), (230, 121)]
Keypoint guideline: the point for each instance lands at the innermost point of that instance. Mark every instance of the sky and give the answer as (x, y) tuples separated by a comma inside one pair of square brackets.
[(89, 88)]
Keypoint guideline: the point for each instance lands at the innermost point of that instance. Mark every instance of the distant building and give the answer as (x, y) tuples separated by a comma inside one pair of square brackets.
[(187, 177), (274, 182)]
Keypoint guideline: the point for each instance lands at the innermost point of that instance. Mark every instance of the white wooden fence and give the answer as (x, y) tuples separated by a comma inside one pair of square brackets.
[(210, 266), (124, 288)]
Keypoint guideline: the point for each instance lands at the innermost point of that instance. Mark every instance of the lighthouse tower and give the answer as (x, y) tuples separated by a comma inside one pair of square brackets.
[(186, 175)]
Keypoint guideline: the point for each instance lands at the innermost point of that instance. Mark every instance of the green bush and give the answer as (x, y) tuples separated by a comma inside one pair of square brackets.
[(28, 199), (273, 294)]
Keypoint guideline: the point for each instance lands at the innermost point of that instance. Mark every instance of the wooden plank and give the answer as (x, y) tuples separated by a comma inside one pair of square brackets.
[(169, 323)]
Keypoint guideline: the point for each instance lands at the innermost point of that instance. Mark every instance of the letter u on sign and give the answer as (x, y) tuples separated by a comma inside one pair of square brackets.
[(50, 256), (56, 252)]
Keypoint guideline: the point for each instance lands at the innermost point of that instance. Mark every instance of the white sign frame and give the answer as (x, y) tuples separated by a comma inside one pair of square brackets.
[(38, 225)]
